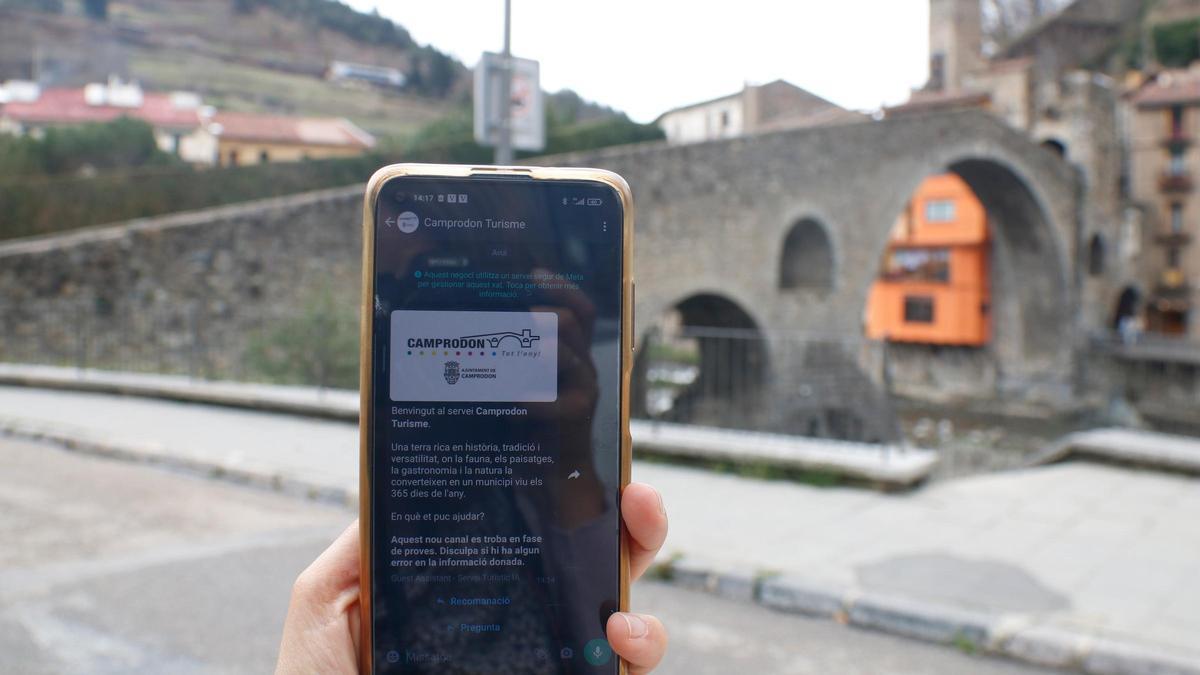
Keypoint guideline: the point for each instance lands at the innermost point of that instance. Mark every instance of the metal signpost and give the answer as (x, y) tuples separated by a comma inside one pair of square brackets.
[(501, 78)]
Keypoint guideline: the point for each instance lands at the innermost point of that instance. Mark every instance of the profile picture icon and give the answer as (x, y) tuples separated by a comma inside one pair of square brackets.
[(408, 222)]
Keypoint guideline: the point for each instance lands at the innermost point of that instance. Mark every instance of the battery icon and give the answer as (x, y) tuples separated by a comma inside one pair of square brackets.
[(594, 201)]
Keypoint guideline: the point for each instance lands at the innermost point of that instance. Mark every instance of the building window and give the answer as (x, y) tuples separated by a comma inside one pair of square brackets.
[(939, 211), (937, 71), (917, 264), (1096, 255), (918, 309), (233, 158), (724, 119), (1176, 121), (1177, 166), (1176, 218), (1056, 146), (1173, 257)]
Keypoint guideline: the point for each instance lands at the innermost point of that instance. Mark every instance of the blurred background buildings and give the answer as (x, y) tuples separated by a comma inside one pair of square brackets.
[(1069, 257)]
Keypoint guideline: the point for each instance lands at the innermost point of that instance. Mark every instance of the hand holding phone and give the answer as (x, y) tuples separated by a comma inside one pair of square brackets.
[(495, 371), (323, 631)]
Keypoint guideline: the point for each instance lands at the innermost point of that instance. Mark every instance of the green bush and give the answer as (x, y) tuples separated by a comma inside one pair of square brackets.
[(448, 139), (319, 347), (124, 142), (451, 138), (599, 134), (42, 205), (1177, 44)]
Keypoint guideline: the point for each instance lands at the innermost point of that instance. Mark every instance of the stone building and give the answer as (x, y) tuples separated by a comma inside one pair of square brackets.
[(955, 43), (756, 108), (934, 285), (1053, 83), (253, 138), (1163, 162)]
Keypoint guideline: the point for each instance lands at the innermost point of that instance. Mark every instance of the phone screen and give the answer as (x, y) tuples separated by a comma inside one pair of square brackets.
[(495, 460)]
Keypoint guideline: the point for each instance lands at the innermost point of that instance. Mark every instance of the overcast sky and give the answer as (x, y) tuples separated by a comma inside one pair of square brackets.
[(647, 56)]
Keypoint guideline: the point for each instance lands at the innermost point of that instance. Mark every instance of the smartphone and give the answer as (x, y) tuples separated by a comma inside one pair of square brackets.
[(496, 356)]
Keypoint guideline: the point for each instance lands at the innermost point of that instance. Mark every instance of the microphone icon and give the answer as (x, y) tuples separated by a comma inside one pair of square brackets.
[(597, 652)]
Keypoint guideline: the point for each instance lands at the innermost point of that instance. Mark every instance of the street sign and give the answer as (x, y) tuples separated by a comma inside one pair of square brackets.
[(527, 120)]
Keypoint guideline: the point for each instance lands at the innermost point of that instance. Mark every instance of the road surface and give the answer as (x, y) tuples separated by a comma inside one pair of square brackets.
[(114, 567)]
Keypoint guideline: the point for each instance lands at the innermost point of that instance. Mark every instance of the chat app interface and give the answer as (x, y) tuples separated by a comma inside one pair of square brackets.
[(495, 460)]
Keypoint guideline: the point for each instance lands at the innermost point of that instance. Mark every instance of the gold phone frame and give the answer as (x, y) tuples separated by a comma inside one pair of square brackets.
[(366, 366)]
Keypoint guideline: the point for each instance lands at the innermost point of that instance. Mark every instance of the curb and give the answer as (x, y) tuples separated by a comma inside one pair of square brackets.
[(859, 464), (226, 395), (1013, 636), (153, 455), (1180, 455)]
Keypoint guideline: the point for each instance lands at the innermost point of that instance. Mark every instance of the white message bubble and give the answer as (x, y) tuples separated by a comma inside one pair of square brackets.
[(474, 356)]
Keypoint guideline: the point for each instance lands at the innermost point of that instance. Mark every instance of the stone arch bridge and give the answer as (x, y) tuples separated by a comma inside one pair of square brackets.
[(779, 233), (784, 232)]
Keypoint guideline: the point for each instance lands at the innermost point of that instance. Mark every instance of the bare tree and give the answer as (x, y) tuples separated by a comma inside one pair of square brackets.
[(1004, 20)]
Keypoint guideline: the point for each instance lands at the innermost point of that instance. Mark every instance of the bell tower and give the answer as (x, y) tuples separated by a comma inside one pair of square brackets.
[(955, 43)]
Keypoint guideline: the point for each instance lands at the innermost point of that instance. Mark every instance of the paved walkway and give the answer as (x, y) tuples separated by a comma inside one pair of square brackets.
[(881, 465), (1095, 555), (1130, 446), (90, 585)]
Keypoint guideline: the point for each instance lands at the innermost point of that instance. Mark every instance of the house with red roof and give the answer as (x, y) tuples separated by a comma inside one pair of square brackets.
[(254, 138), (185, 127), (177, 117)]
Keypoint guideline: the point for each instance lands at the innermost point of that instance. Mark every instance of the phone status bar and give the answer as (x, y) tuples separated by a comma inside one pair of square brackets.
[(582, 201), (441, 197)]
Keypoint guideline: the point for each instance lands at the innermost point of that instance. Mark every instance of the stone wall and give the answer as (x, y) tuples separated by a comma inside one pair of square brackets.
[(182, 292)]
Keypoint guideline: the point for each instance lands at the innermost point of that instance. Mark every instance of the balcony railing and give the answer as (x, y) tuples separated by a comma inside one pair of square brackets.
[(1177, 139), (1172, 282), (1173, 239), (1175, 181)]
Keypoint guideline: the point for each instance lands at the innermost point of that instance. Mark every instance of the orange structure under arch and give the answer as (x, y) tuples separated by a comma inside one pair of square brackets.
[(934, 282)]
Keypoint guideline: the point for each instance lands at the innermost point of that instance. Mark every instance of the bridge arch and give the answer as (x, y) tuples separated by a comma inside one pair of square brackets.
[(1030, 309), (807, 260), (704, 362)]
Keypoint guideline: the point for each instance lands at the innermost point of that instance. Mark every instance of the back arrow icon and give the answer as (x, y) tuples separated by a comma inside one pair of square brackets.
[(390, 222), (573, 475)]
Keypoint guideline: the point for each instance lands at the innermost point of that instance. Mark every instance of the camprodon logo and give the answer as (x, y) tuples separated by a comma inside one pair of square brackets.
[(441, 355), (524, 340)]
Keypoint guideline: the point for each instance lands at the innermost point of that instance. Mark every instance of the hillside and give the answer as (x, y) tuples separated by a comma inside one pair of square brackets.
[(245, 55), (259, 59), (240, 55)]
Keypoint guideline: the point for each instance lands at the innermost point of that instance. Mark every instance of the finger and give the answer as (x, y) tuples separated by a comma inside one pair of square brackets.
[(645, 523), (331, 581), (316, 634), (640, 639)]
